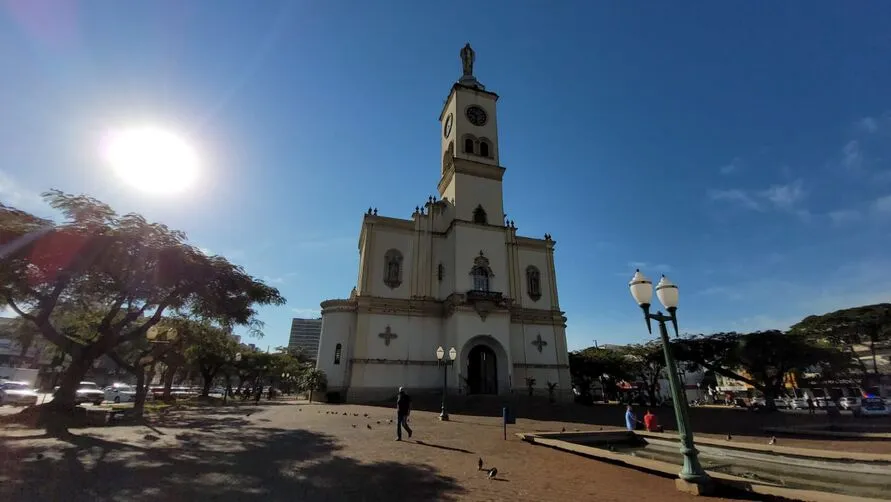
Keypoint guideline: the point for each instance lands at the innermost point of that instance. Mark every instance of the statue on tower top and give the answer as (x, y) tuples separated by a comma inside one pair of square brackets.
[(468, 56), (467, 59)]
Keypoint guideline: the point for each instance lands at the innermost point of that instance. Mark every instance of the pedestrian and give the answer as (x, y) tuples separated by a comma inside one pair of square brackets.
[(630, 418), (810, 406), (652, 423), (403, 409)]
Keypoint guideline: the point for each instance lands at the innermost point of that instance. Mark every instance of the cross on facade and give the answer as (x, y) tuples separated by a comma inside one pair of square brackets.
[(538, 342), (387, 335)]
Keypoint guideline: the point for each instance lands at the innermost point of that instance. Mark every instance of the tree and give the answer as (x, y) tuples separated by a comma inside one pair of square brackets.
[(314, 381), (595, 364), (127, 271), (762, 359), (646, 363), (869, 325), (211, 348)]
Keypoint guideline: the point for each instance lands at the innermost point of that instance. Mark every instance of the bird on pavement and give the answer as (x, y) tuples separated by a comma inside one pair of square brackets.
[(493, 472), (729, 437), (773, 440), (563, 429), (39, 456), (479, 464), (150, 437), (368, 425), (354, 426)]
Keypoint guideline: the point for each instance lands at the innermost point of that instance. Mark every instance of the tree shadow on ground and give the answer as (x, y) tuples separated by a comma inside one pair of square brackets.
[(234, 464)]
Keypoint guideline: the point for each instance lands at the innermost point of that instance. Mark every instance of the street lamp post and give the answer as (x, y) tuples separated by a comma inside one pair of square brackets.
[(445, 363), (667, 292)]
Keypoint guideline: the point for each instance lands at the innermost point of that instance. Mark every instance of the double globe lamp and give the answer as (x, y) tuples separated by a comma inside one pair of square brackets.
[(692, 472)]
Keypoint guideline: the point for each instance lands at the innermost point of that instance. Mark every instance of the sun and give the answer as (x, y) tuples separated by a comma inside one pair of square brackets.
[(152, 159)]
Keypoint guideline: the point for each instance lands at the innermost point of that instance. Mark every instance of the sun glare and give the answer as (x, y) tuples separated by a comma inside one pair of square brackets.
[(152, 159)]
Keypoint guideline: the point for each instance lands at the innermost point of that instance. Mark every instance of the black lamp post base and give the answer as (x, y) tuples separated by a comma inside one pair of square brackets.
[(444, 417)]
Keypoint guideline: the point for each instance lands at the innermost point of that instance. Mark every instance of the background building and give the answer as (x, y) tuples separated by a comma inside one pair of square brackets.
[(305, 336)]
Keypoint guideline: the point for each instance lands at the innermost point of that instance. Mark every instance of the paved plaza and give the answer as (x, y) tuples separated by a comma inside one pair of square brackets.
[(309, 452)]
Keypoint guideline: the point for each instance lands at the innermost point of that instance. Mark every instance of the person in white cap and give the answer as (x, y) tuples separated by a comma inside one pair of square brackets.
[(403, 409)]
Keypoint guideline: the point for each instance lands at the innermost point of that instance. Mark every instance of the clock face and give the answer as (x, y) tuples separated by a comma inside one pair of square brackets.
[(476, 115), (447, 130)]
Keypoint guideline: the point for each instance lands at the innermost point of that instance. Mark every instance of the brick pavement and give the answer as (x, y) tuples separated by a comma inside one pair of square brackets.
[(306, 452)]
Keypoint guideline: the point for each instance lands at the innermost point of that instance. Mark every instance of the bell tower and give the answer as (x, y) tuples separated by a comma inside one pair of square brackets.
[(471, 173)]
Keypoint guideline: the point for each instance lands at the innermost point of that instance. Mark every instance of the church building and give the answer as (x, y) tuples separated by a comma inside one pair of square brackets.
[(455, 275)]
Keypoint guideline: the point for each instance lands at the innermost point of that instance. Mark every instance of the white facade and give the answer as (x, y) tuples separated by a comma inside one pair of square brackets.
[(455, 275)]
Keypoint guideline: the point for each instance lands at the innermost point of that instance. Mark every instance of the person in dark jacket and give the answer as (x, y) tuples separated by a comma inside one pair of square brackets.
[(403, 409)]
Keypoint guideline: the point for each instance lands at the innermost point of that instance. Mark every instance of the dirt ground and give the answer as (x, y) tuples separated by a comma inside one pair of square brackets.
[(311, 452)]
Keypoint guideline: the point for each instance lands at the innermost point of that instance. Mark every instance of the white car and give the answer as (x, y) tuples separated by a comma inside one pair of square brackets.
[(120, 393), (17, 394), (849, 403), (89, 392), (874, 407)]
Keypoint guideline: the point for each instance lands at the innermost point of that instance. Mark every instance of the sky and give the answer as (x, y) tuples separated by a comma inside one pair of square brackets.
[(741, 148)]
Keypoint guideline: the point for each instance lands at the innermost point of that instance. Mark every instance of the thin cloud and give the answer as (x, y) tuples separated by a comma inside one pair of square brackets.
[(782, 197), (307, 313), (844, 216), (14, 194), (734, 166), (868, 124), (737, 196), (882, 205), (852, 156)]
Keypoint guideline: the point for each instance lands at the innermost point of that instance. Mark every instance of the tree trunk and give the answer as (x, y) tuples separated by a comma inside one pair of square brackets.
[(70, 381), (872, 350), (168, 381), (207, 375), (141, 392)]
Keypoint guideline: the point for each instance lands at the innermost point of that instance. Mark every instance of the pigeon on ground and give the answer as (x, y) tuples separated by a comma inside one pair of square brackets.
[(729, 437), (39, 456), (601, 428), (563, 429), (355, 414), (378, 422), (150, 437), (365, 415), (493, 472), (354, 426), (479, 464), (344, 413), (773, 440), (368, 425)]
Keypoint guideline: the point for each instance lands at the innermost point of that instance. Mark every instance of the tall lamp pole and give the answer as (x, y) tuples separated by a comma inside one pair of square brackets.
[(667, 292), (445, 363)]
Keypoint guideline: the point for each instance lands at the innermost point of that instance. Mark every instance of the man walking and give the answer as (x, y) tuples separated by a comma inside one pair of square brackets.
[(403, 409)]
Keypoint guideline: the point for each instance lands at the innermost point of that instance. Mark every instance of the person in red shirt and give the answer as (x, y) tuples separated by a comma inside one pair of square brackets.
[(651, 422)]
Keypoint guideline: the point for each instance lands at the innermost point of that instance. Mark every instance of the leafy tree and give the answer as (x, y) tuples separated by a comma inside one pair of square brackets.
[(128, 271), (646, 363), (762, 359), (868, 325), (314, 381), (594, 364), (210, 350)]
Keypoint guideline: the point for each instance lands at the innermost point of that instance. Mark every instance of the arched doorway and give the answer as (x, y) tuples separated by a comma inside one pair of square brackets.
[(482, 371)]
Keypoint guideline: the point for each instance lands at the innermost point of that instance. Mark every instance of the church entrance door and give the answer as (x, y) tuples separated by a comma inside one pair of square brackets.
[(482, 374)]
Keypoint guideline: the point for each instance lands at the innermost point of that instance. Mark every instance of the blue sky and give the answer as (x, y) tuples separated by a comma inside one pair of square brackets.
[(745, 150)]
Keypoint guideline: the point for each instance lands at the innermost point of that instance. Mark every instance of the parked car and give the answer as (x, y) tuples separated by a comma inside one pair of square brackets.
[(798, 403), (849, 403), (874, 407), (89, 392), (17, 394), (120, 393), (824, 403)]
